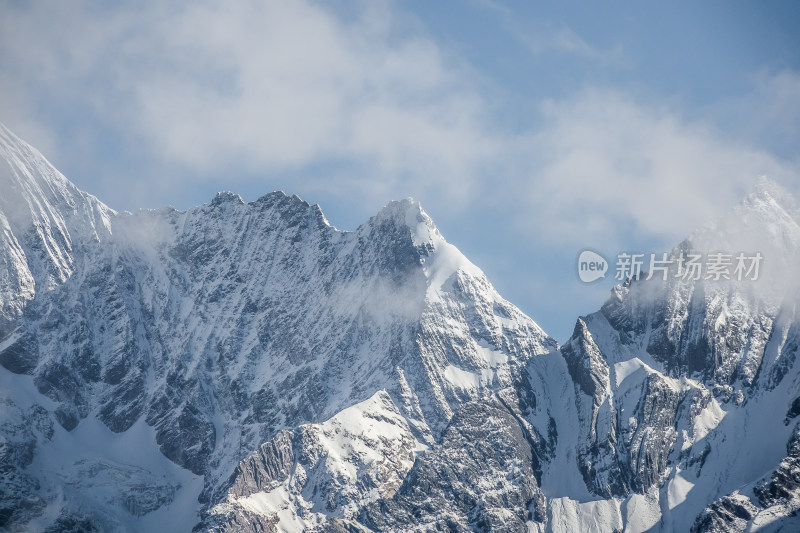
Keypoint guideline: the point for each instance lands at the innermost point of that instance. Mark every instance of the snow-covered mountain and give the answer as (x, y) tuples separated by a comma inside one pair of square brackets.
[(249, 367), (685, 389)]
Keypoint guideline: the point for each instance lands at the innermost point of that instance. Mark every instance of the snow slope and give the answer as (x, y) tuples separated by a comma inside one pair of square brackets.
[(249, 367)]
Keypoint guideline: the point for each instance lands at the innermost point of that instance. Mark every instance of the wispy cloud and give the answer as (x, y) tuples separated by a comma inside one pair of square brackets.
[(212, 88), (545, 37), (562, 39), (769, 115), (260, 86), (610, 168)]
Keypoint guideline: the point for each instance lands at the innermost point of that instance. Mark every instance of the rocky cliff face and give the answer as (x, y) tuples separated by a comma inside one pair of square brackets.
[(684, 388), (217, 328), (248, 366)]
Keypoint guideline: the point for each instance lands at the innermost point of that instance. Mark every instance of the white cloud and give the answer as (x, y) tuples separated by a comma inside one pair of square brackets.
[(260, 86), (609, 168), (216, 87)]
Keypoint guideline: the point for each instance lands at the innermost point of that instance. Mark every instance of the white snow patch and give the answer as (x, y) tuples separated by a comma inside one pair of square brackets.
[(679, 487), (707, 420), (625, 368), (279, 503), (641, 511), (466, 380), (597, 516)]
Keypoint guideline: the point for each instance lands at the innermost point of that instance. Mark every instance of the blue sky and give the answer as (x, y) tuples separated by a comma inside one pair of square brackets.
[(528, 130)]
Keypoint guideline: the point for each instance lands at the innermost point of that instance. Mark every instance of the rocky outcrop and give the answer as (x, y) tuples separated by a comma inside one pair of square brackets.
[(480, 478)]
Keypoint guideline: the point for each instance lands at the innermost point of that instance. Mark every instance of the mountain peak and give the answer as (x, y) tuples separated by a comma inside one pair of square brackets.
[(766, 220), (224, 197), (409, 213), (768, 195), (44, 218), (399, 210), (31, 183), (766, 185)]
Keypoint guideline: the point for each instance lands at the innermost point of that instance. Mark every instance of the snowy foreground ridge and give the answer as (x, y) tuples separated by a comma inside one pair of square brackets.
[(249, 367)]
